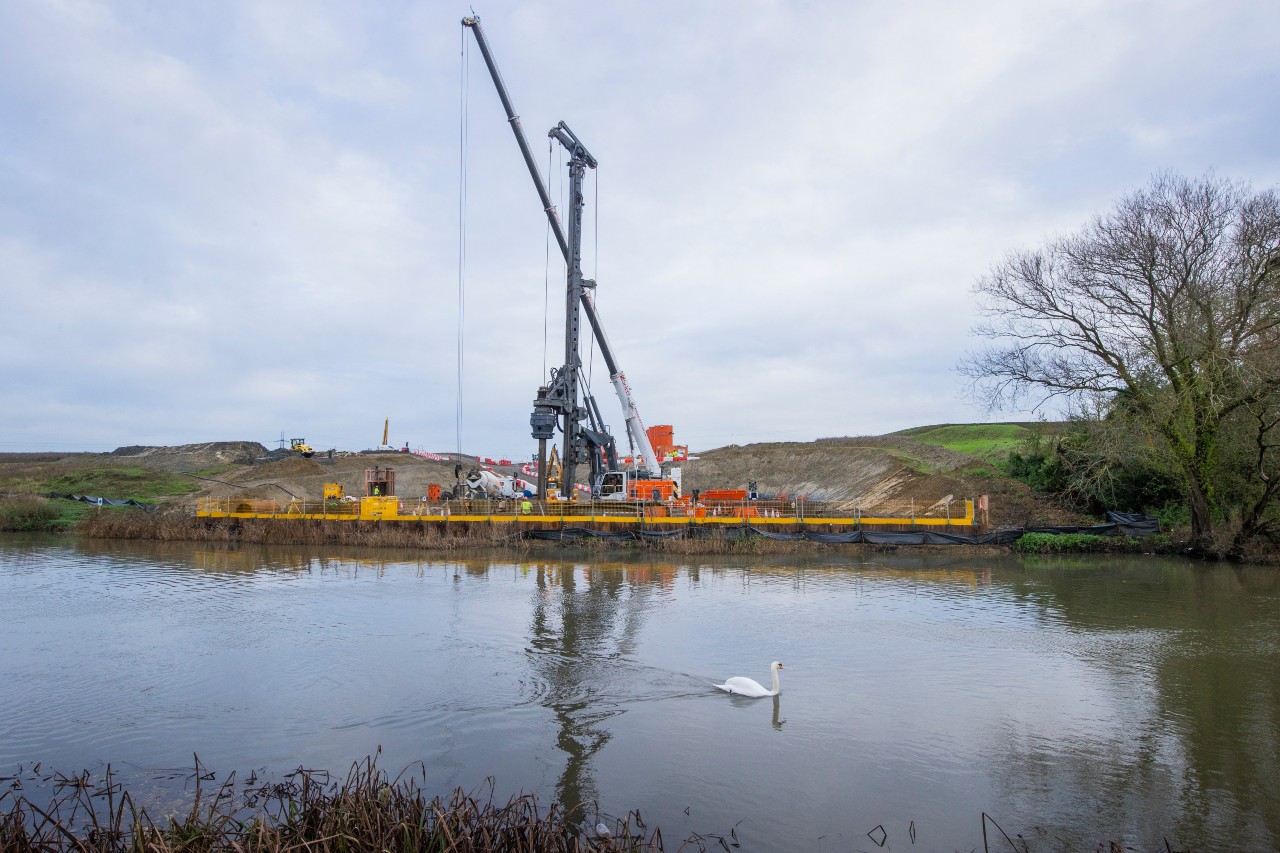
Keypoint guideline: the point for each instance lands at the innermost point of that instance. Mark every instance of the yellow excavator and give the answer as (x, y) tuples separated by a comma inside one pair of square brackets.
[(555, 472), (299, 445)]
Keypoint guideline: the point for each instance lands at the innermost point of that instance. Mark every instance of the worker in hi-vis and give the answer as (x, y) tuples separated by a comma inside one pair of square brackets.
[(526, 506)]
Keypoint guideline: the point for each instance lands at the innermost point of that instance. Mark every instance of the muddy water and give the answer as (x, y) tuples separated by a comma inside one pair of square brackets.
[(1072, 700)]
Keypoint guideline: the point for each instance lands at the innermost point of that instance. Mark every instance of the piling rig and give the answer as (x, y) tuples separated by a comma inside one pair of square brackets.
[(557, 402)]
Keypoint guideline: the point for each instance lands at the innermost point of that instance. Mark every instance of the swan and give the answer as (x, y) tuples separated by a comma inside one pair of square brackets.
[(741, 686)]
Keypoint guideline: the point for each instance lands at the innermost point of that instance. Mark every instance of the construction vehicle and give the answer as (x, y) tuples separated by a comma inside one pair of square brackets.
[(486, 483), (299, 445), (566, 401), (553, 477)]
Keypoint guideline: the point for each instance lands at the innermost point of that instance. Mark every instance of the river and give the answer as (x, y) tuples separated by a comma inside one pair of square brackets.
[(1074, 700)]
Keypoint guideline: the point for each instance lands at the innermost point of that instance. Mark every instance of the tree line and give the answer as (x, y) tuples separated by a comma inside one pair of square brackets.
[(1157, 325)]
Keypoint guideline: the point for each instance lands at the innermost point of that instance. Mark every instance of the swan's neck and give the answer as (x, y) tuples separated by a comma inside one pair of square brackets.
[(775, 681)]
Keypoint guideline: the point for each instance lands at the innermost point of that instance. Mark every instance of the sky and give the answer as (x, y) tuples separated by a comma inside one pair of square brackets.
[(237, 220)]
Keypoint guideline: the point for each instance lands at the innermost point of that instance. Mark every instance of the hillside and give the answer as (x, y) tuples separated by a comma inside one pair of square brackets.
[(926, 464), (881, 470)]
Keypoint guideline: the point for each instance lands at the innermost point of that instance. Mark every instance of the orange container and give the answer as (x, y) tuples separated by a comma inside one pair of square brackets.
[(661, 435), (724, 494)]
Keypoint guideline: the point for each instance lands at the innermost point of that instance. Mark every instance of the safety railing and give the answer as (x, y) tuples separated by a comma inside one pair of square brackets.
[(945, 512)]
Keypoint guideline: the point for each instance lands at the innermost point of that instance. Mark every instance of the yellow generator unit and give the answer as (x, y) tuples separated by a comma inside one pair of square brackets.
[(334, 492)]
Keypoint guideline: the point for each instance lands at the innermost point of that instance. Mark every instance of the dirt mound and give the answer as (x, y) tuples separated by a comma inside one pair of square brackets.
[(294, 475), (184, 457), (870, 472), (831, 469)]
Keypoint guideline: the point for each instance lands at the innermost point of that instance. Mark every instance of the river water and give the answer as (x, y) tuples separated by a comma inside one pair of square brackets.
[(1073, 700)]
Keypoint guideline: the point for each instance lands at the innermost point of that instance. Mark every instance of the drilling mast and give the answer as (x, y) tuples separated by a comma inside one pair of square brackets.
[(558, 401)]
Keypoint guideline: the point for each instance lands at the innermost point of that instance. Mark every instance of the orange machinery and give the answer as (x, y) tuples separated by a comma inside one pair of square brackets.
[(662, 437)]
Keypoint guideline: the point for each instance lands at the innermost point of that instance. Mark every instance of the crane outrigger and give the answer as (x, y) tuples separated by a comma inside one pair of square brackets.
[(558, 401)]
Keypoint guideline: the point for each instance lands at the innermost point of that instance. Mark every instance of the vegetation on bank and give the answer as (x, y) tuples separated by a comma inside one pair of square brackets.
[(367, 811), (28, 514), (989, 442), (1089, 543), (122, 482), (1156, 323), (35, 514)]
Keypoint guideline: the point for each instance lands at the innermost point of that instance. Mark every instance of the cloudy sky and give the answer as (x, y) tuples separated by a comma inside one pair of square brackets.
[(231, 220)]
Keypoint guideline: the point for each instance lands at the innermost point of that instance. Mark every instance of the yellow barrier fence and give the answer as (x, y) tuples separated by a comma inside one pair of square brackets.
[(947, 512)]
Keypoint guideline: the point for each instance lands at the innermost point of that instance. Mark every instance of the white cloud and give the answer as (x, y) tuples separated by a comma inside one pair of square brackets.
[(248, 214)]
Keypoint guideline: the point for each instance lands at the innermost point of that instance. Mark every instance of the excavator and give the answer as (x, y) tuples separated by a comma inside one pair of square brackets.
[(566, 401)]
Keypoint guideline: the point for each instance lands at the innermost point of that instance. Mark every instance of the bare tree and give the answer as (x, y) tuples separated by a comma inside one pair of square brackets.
[(1170, 303)]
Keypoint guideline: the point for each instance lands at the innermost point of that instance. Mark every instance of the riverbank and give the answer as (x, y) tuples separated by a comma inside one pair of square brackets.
[(304, 812), (307, 813), (179, 527)]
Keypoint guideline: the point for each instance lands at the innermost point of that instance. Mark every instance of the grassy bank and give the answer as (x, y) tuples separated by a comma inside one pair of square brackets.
[(27, 514), (31, 513), (988, 442), (1088, 543), (367, 811), (108, 480)]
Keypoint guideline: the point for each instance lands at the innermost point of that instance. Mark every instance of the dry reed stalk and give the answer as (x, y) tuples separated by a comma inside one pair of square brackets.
[(368, 811)]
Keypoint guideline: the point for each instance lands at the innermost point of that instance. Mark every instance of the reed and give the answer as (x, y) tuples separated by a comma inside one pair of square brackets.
[(28, 514), (175, 527), (305, 812)]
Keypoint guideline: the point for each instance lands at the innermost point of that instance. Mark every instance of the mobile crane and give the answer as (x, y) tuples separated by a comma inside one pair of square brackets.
[(558, 401)]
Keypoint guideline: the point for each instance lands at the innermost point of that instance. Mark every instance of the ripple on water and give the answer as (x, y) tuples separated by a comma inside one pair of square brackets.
[(909, 692)]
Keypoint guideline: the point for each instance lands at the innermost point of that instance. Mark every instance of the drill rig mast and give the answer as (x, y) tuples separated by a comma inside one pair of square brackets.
[(559, 400)]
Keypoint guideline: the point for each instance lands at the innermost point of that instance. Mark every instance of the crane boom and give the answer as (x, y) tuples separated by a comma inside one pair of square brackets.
[(560, 398)]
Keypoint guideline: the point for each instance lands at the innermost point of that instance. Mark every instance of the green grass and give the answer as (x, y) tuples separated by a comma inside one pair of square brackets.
[(28, 514), (916, 464), (122, 483), (214, 471), (988, 442), (1059, 543), (31, 513)]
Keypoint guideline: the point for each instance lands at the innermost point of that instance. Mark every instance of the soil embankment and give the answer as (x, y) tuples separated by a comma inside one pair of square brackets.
[(870, 471)]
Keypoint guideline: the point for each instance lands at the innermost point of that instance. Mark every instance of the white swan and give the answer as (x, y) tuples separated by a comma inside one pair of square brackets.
[(741, 686)]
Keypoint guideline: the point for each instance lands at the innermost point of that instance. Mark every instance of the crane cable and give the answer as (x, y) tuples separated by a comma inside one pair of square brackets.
[(465, 79)]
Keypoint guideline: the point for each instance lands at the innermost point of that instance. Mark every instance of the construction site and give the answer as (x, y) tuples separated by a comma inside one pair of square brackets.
[(580, 477)]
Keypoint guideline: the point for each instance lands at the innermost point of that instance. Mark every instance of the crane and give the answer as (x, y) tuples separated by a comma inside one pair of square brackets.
[(558, 401)]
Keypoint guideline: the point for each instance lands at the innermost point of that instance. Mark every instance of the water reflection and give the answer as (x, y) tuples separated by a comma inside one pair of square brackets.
[(585, 620), (1090, 698), (1196, 731)]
